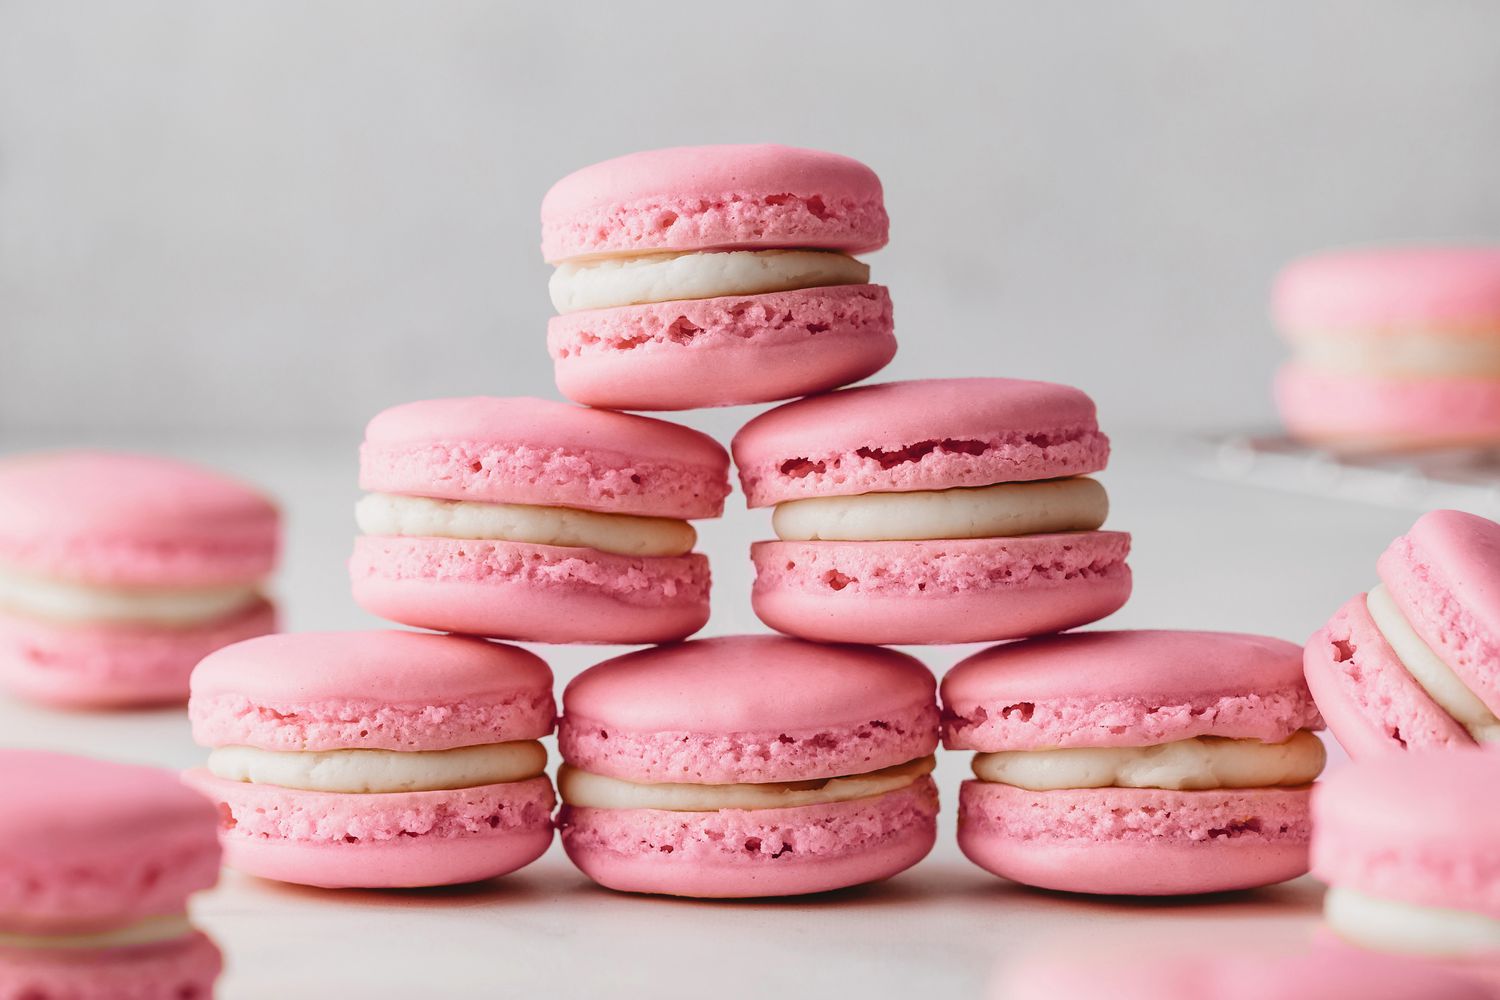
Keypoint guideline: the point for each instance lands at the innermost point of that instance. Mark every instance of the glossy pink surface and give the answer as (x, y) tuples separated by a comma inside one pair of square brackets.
[(1394, 288)]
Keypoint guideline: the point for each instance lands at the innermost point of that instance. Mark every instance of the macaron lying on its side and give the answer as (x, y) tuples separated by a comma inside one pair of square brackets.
[(119, 572), (748, 766), (1136, 763), (97, 862), (535, 520), (1410, 848), (1415, 663), (376, 759), (1393, 348), (944, 511), (714, 275)]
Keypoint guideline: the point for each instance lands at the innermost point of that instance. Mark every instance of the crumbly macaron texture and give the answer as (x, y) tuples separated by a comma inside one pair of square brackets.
[(1132, 688), (715, 197), (114, 665), (1396, 289), (1419, 828), (1370, 700), (537, 451), (114, 518), (385, 690), (722, 351), (1444, 576), (174, 970), (90, 844), (1366, 410), (922, 435)]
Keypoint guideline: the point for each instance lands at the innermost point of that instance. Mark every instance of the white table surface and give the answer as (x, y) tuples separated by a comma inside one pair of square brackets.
[(1207, 555)]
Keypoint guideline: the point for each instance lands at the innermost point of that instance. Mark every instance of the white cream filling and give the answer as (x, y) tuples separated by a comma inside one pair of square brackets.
[(1428, 669), (80, 603), (581, 788), (606, 282), (1192, 764), (999, 511), (150, 930), (360, 772), (1392, 925), (1411, 355), (623, 534)]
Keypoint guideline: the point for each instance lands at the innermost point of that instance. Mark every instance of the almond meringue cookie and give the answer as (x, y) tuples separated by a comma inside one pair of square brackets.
[(713, 276)]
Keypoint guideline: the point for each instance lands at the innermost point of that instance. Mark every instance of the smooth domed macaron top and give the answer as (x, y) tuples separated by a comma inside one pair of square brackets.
[(118, 518), (1396, 288), (539, 451), (715, 197), (743, 684), (921, 435)]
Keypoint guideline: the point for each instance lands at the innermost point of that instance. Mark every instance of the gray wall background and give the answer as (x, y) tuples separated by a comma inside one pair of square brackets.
[(278, 216)]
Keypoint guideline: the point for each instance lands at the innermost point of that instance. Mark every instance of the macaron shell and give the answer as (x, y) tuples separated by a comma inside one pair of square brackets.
[(1136, 841), (114, 666), (381, 840), (174, 970), (1366, 411), (533, 593), (1444, 575), (722, 351), (113, 518), (537, 451), (753, 853), (1370, 701), (920, 435), (1394, 288), (949, 591), (719, 197)]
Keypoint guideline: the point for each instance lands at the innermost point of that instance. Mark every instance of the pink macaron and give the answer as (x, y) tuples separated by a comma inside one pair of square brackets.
[(952, 510), (1393, 348), (375, 759), (748, 766), (715, 275), (97, 862), (1138, 763), (1415, 663), (118, 572), (535, 520), (1410, 848)]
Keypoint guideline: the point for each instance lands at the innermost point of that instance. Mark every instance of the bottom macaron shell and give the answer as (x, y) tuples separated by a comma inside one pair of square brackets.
[(1372, 411), (722, 351), (381, 840), (739, 854), (533, 593), (172, 970), (1136, 841), (967, 590), (1368, 698), (107, 666)]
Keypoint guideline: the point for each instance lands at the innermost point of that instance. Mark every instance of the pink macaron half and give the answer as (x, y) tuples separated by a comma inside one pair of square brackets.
[(1393, 347), (535, 520), (748, 766), (942, 511), (118, 572), (1136, 763), (715, 275), (1410, 848), (97, 863), (1415, 663), (375, 759)]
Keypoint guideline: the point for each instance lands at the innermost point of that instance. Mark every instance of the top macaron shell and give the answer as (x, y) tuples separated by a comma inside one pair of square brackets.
[(921, 435), (120, 519), (748, 709), (1126, 689), (1395, 289), (385, 690), (537, 451), (715, 197), (89, 845)]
